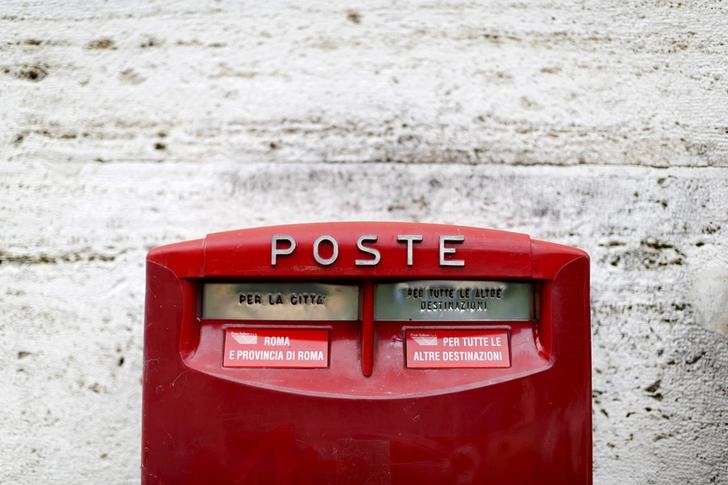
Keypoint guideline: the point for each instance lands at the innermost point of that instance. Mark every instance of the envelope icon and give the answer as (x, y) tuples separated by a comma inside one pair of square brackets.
[(425, 339), (245, 338)]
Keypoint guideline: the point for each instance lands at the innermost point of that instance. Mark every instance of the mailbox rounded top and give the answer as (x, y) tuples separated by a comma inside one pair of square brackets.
[(341, 250)]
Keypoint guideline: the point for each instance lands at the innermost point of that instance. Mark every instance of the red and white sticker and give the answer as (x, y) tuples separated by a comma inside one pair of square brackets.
[(276, 347), (457, 348)]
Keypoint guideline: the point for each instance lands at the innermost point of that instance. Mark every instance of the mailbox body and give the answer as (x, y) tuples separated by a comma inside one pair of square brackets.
[(369, 413)]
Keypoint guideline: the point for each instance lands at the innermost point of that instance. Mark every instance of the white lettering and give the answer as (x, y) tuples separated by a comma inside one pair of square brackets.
[(445, 250), (275, 251), (473, 356), (310, 355), (410, 239), (334, 254), (259, 355), (276, 341), (363, 244), (426, 356), (374, 252)]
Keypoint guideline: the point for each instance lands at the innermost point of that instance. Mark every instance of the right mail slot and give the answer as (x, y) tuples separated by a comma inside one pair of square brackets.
[(454, 300)]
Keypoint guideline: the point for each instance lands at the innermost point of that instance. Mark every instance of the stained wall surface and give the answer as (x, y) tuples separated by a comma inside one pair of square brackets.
[(597, 124)]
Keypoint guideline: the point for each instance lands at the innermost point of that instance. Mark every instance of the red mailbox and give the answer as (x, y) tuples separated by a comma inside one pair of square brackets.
[(367, 353)]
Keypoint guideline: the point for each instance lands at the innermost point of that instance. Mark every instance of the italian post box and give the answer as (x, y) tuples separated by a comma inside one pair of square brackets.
[(367, 353)]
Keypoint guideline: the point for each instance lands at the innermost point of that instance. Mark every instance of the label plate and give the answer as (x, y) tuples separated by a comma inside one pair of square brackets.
[(457, 348), (276, 347)]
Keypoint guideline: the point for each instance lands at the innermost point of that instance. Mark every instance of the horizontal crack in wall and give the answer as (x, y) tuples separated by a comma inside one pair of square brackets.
[(42, 258)]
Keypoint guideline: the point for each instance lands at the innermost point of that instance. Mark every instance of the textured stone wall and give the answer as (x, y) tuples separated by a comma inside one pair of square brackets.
[(602, 125)]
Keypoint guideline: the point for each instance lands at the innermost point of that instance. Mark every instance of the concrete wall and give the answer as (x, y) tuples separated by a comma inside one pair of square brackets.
[(602, 125)]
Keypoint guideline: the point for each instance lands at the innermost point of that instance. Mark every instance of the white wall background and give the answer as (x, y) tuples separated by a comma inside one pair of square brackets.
[(597, 124)]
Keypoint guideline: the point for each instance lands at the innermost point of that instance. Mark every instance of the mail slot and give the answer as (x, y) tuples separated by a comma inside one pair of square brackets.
[(367, 353)]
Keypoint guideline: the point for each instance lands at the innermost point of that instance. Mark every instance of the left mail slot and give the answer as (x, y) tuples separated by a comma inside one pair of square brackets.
[(276, 347), (301, 301)]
